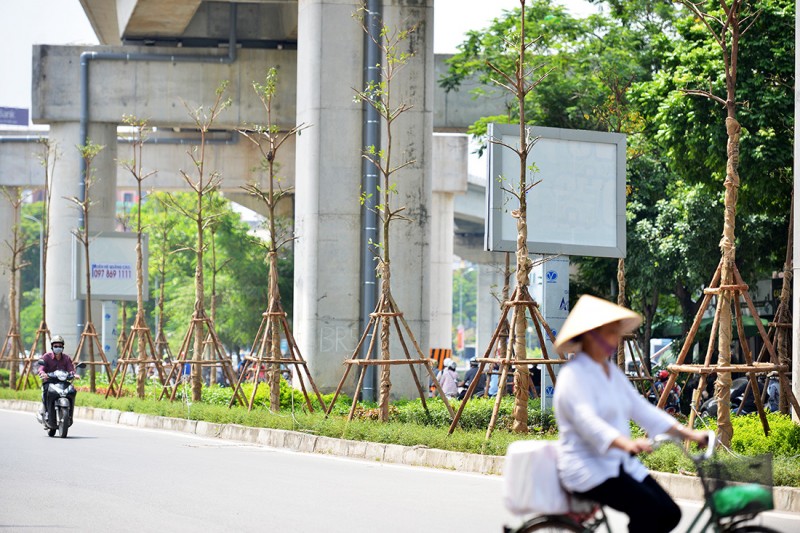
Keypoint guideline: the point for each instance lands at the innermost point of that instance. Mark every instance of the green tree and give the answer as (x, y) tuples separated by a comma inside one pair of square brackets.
[(623, 70), (688, 132)]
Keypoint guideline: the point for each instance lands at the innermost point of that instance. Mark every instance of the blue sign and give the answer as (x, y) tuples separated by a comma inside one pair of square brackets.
[(13, 116), (552, 276)]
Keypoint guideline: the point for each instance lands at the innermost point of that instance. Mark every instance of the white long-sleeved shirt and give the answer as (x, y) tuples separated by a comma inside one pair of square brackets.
[(592, 409)]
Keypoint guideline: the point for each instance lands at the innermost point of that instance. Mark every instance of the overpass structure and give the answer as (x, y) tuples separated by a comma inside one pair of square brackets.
[(156, 59)]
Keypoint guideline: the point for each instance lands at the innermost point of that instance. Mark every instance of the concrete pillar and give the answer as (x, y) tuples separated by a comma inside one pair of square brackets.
[(449, 179), (490, 288), (7, 222), (327, 212), (62, 317), (441, 297)]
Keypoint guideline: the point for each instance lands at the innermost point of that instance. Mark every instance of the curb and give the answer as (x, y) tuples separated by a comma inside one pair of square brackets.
[(678, 486)]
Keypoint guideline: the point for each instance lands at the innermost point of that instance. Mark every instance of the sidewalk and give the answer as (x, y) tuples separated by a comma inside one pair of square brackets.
[(678, 486)]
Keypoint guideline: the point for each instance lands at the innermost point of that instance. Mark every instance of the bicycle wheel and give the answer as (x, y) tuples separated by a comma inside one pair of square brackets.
[(745, 528), (550, 523)]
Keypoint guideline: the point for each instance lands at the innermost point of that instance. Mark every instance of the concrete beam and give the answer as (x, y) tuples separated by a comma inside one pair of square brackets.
[(102, 16), (19, 162), (156, 17), (455, 111), (233, 156), (235, 160), (157, 89)]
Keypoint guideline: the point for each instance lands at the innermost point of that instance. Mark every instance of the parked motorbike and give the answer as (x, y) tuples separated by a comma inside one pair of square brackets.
[(59, 403), (673, 405), (738, 386)]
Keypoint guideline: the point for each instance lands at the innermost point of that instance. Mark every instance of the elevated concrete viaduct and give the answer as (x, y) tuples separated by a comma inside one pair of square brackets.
[(318, 51)]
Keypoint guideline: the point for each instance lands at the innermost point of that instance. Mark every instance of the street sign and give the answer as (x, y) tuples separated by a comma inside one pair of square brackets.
[(113, 266), (13, 116), (578, 207)]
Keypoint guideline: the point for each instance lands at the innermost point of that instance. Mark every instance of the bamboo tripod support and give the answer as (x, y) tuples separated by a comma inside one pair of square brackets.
[(780, 328), (260, 357), (162, 348), (43, 333), (219, 358), (387, 311), (139, 332), (521, 301), (12, 352), (643, 380), (89, 335), (751, 368)]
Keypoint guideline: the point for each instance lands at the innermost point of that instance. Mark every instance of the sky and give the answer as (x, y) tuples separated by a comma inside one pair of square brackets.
[(27, 22)]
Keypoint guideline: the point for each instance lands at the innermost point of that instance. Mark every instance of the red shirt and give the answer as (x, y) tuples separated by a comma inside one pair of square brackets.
[(51, 364)]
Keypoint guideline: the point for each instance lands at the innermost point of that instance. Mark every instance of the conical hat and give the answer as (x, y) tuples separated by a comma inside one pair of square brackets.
[(589, 313)]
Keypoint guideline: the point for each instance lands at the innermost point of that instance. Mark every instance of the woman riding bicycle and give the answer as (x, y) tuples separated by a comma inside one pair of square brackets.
[(594, 402)]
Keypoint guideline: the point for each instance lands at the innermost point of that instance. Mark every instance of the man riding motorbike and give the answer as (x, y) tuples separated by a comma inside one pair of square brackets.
[(52, 361)]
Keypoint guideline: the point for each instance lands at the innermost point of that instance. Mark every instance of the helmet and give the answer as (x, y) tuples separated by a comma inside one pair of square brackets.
[(663, 374), (56, 339), (473, 361), (447, 363)]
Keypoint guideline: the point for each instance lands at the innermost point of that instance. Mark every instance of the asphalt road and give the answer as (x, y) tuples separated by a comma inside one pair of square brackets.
[(108, 477)]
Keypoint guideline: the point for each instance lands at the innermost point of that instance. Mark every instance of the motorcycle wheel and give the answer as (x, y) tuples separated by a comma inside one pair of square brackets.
[(63, 422)]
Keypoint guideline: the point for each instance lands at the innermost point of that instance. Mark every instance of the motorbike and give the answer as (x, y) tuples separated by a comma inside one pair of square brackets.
[(709, 408), (673, 404), (59, 403)]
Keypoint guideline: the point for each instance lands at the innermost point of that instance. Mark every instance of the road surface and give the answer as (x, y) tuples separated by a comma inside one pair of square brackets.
[(109, 477)]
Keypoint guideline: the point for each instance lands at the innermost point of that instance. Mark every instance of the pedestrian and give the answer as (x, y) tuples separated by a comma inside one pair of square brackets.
[(773, 392), (480, 387), (448, 379)]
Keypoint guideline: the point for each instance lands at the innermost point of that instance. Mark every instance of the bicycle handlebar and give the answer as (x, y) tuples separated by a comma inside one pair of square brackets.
[(704, 455)]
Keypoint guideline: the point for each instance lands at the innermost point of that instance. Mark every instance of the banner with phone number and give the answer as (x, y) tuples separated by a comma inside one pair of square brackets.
[(111, 271)]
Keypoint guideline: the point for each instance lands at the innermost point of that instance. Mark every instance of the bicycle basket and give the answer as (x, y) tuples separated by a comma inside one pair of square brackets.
[(739, 485)]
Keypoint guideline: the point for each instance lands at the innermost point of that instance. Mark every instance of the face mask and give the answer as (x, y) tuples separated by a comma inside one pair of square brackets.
[(609, 349), (58, 349)]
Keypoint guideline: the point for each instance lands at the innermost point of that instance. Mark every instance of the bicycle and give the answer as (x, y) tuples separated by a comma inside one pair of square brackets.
[(735, 492)]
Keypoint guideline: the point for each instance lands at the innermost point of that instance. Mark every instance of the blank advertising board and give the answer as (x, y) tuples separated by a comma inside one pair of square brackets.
[(578, 208), (112, 257)]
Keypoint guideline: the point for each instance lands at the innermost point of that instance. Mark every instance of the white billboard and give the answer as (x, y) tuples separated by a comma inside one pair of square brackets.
[(113, 266), (578, 208)]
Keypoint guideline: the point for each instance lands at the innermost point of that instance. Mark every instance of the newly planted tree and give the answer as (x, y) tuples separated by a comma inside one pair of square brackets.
[(727, 22), (11, 351), (162, 230), (145, 352), (89, 338), (520, 83), (203, 183), (396, 54), (48, 159), (266, 349)]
